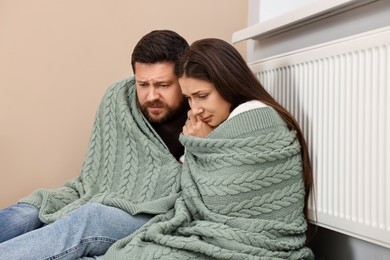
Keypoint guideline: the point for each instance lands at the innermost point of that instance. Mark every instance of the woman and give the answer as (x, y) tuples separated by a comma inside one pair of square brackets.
[(246, 175)]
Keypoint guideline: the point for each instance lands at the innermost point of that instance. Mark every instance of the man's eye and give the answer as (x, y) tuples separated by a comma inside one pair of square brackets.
[(202, 96), (164, 85)]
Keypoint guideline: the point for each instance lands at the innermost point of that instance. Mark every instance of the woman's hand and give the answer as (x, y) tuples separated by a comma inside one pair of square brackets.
[(194, 126)]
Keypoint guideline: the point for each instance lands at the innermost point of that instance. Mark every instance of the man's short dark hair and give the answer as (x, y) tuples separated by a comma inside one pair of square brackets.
[(159, 46)]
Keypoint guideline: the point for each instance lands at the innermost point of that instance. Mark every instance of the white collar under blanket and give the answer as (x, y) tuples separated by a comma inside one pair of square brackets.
[(242, 197)]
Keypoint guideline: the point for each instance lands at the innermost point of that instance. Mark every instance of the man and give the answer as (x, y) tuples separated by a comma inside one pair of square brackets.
[(130, 173)]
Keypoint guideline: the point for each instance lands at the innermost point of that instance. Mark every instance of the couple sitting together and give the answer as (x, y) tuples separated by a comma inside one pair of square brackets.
[(189, 159)]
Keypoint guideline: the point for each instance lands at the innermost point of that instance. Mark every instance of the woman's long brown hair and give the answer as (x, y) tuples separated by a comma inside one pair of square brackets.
[(218, 62)]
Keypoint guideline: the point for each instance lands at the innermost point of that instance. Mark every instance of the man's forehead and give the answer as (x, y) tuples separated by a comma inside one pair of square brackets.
[(154, 72), (154, 80)]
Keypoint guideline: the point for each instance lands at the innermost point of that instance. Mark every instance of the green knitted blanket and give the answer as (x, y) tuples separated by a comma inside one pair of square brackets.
[(127, 164), (242, 197)]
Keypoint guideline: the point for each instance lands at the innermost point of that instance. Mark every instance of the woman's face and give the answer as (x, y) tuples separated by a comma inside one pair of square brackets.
[(205, 101)]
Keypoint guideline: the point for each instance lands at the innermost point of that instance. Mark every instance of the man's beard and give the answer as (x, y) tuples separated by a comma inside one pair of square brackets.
[(167, 114)]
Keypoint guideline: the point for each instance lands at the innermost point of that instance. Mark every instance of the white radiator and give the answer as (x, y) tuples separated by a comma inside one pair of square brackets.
[(339, 93)]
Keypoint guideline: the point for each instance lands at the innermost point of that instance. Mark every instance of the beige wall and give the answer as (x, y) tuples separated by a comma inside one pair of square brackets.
[(56, 60)]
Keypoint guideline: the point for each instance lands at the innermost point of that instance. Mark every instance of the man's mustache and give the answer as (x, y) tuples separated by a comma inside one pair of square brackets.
[(153, 104)]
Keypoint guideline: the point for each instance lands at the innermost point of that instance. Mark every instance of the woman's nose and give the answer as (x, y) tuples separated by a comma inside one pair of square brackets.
[(196, 109)]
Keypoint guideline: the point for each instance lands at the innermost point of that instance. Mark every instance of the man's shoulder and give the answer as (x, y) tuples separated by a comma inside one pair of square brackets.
[(121, 88), (124, 83)]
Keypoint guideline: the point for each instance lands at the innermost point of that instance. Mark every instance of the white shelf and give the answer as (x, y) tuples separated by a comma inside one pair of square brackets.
[(306, 14)]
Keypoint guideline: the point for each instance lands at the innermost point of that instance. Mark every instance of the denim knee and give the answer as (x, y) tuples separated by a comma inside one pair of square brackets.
[(89, 210), (17, 220)]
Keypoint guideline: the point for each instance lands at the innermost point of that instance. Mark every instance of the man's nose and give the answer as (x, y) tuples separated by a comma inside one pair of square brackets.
[(152, 94)]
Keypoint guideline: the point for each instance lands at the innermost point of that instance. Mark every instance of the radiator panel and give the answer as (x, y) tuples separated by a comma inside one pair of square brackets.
[(338, 92)]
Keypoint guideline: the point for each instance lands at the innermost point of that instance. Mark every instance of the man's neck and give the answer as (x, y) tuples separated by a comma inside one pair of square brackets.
[(169, 133)]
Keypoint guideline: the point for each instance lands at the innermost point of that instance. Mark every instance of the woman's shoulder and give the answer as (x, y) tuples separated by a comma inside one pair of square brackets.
[(251, 118), (249, 105)]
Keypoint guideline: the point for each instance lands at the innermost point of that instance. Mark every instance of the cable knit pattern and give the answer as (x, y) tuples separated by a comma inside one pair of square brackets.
[(126, 166), (242, 197)]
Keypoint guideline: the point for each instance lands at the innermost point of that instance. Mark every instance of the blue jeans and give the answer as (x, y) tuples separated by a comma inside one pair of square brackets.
[(87, 231), (17, 220)]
